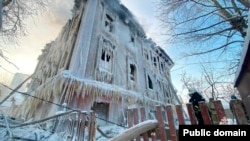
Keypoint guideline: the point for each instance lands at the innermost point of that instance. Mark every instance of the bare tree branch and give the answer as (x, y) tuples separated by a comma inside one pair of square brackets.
[(212, 50), (13, 16), (246, 3), (205, 27)]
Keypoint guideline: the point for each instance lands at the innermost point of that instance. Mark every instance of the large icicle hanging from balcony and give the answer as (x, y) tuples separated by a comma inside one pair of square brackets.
[(67, 86)]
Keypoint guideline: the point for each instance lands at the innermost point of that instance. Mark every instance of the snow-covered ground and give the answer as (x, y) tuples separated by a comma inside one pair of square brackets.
[(35, 132), (30, 133)]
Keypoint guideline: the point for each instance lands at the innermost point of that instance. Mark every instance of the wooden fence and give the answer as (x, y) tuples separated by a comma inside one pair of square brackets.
[(163, 128), (72, 125), (166, 129)]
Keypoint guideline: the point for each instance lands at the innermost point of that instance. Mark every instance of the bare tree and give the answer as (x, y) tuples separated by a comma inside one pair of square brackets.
[(211, 84), (189, 82), (13, 16), (216, 85), (201, 27)]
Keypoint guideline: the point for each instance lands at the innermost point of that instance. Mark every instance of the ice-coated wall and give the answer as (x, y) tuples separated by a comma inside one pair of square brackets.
[(101, 57)]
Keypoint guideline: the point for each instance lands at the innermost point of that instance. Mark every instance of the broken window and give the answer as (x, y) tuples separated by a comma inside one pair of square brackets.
[(162, 66), (108, 23), (132, 39), (132, 72), (150, 83), (155, 62), (168, 94), (106, 56)]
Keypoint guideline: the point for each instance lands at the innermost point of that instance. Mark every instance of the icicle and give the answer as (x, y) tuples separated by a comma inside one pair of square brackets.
[(79, 89), (83, 90), (71, 92), (64, 90), (67, 96)]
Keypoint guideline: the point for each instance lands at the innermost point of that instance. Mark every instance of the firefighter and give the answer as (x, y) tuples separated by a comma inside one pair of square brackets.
[(195, 98)]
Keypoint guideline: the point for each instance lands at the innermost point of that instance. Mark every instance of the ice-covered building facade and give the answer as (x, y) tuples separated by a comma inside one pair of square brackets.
[(100, 61)]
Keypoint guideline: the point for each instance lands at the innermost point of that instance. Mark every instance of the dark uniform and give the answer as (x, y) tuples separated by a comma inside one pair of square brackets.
[(195, 98)]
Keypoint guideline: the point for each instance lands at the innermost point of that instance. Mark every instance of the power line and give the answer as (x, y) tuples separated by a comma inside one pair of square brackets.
[(59, 105), (13, 90)]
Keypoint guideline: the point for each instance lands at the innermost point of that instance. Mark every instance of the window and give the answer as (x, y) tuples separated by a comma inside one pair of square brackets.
[(146, 54), (132, 39), (106, 56), (108, 23), (162, 67), (150, 83), (155, 62), (132, 73)]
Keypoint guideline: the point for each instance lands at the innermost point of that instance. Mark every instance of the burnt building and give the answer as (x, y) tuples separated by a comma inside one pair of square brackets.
[(101, 61)]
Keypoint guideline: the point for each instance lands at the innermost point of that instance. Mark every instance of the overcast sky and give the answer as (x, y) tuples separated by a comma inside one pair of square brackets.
[(45, 29)]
